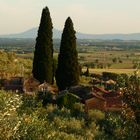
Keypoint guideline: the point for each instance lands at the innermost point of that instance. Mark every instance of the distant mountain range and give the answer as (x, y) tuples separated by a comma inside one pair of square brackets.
[(32, 33)]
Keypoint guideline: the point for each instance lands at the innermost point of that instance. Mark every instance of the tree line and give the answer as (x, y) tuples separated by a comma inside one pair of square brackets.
[(67, 71)]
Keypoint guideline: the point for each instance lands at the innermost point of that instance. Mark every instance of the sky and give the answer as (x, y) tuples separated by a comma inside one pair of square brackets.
[(89, 16)]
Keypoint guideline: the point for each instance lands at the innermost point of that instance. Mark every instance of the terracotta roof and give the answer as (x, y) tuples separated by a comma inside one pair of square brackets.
[(81, 91), (100, 90), (98, 96), (47, 87)]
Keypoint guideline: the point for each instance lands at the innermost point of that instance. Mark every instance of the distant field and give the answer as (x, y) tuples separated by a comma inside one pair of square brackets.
[(94, 57), (125, 59), (119, 71), (26, 55)]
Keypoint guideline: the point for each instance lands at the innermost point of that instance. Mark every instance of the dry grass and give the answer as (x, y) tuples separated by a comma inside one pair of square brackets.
[(119, 71)]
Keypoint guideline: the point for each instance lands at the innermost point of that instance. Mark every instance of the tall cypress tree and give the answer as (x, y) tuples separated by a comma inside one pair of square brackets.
[(67, 73), (43, 55)]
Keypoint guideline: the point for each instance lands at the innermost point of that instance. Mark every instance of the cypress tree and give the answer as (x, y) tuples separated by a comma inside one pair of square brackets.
[(67, 73), (43, 55), (87, 72)]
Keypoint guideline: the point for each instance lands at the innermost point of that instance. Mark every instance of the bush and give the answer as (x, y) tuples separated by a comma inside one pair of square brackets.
[(45, 97), (109, 75), (86, 73), (67, 100), (96, 115)]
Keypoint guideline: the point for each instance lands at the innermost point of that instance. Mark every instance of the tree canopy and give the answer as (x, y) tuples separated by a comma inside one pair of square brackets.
[(67, 73), (43, 55)]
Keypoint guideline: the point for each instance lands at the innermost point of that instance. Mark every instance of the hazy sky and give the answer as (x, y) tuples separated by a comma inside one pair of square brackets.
[(89, 16)]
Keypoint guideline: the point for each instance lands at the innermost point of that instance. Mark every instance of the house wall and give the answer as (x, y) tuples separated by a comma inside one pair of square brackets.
[(95, 103)]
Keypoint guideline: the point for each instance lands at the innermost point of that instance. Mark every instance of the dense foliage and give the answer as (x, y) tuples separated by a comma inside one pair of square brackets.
[(24, 117), (11, 65), (43, 55), (67, 73), (67, 100), (109, 75), (131, 99)]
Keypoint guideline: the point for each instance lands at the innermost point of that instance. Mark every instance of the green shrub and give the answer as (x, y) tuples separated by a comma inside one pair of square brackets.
[(109, 75), (45, 97), (95, 115), (67, 100)]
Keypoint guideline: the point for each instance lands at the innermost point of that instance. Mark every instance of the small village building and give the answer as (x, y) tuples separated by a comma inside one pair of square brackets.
[(15, 84), (99, 90), (110, 84), (45, 87), (31, 85), (114, 102), (47, 93), (95, 102), (113, 99), (80, 90), (91, 99), (96, 81)]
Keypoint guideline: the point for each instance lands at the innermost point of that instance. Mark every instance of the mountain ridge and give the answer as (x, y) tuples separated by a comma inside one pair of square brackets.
[(32, 33)]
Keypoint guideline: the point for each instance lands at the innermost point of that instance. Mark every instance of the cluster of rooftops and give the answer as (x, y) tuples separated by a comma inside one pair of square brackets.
[(92, 96)]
